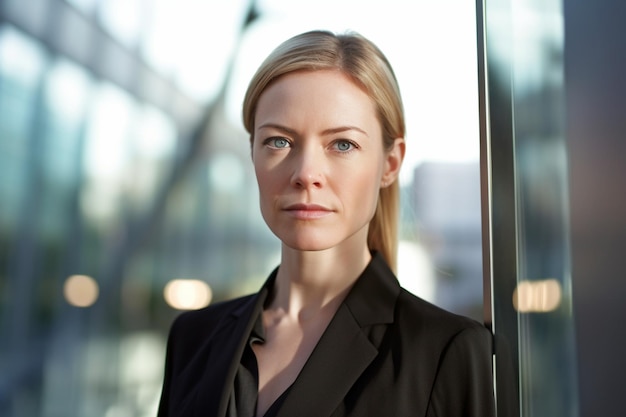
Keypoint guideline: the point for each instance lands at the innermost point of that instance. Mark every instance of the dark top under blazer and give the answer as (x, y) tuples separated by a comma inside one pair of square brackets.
[(385, 353)]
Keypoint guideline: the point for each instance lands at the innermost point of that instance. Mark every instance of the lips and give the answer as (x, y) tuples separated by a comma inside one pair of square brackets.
[(307, 211)]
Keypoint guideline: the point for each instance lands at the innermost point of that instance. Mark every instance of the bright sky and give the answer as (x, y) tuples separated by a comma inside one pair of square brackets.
[(431, 45)]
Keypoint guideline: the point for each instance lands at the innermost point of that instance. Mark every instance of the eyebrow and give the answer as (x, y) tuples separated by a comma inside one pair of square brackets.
[(343, 129), (330, 131)]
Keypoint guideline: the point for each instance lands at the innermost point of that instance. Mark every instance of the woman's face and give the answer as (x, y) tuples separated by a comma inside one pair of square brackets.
[(319, 160)]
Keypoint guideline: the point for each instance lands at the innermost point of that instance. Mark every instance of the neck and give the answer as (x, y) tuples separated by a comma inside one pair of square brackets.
[(308, 282)]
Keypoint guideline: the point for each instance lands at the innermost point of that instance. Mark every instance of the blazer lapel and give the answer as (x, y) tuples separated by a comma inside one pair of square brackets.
[(345, 350), (224, 352)]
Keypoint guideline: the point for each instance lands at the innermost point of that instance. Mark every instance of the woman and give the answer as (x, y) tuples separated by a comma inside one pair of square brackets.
[(331, 333)]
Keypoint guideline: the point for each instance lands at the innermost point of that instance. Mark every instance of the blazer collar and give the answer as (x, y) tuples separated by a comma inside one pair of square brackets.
[(228, 340), (372, 300), (342, 354), (345, 349)]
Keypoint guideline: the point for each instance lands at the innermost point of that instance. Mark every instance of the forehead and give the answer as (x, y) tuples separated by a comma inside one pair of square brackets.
[(322, 96)]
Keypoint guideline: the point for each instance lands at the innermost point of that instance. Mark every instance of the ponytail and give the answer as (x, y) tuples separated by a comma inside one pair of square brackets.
[(383, 231)]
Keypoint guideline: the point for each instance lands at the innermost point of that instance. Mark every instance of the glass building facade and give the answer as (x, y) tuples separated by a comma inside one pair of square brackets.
[(127, 194)]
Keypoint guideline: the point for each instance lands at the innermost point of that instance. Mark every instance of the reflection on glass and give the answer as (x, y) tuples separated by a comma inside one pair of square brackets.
[(528, 206), (543, 297)]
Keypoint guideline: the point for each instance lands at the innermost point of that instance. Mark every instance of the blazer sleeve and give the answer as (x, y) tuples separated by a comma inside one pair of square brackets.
[(163, 410), (182, 343), (464, 383)]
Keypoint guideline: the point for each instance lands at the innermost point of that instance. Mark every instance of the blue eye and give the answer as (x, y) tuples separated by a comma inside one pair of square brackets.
[(278, 143), (344, 145)]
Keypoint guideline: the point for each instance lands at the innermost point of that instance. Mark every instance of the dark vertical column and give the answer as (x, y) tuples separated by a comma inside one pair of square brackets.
[(595, 58), (498, 199)]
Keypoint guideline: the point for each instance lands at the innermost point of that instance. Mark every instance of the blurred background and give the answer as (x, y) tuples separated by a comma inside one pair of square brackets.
[(127, 193)]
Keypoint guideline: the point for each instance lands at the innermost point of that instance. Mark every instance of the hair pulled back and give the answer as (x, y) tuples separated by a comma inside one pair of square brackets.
[(367, 66)]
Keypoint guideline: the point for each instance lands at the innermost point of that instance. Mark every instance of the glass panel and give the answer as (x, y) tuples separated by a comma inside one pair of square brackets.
[(543, 294), (526, 179)]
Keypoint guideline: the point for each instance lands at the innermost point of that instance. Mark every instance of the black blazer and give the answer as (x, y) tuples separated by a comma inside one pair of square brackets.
[(385, 353)]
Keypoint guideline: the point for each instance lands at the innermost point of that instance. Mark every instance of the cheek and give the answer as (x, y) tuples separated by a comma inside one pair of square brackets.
[(270, 172), (365, 189), (267, 181), (261, 179)]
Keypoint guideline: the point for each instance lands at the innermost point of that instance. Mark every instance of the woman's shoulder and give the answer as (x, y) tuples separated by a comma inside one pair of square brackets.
[(454, 354), (420, 318), (208, 316), (192, 328)]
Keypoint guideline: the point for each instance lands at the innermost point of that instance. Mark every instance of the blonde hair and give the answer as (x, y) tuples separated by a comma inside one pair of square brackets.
[(367, 66)]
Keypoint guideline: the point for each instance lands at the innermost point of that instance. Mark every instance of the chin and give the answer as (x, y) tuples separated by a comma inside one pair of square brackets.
[(306, 242), (306, 245)]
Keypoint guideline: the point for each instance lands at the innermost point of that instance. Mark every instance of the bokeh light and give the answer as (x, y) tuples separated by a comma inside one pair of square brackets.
[(537, 296), (187, 294), (81, 290)]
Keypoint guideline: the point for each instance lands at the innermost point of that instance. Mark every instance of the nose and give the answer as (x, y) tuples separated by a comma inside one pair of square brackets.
[(308, 169)]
